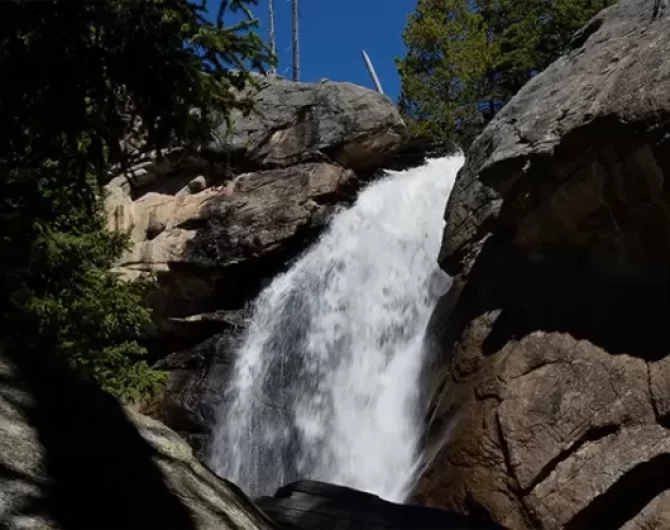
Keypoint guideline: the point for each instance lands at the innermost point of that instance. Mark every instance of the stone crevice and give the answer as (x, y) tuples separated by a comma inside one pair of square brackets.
[(592, 435), (516, 491), (543, 364), (654, 405), (626, 498)]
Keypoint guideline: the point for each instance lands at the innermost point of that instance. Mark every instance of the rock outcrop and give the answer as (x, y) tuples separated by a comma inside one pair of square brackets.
[(551, 408), (217, 242), (72, 458), (217, 224), (348, 124)]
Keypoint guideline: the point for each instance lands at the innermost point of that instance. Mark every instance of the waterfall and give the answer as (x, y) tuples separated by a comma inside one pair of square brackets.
[(326, 383)]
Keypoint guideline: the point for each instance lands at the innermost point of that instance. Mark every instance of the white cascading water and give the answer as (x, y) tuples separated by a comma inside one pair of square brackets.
[(326, 384)]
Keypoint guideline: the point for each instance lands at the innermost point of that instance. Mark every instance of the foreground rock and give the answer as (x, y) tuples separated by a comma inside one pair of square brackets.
[(72, 458), (309, 505), (554, 386)]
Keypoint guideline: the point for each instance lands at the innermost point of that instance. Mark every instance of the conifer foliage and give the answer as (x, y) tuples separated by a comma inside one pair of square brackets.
[(467, 58), (74, 75)]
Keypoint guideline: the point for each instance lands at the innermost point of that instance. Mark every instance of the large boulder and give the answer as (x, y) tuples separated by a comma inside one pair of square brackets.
[(351, 125), (292, 122), (72, 458), (551, 403)]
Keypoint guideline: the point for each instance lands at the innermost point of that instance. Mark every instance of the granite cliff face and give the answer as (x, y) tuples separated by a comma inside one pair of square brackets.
[(553, 391)]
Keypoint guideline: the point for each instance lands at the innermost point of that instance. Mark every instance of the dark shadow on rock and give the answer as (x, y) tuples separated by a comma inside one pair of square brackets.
[(100, 470), (311, 505), (562, 294), (626, 498), (416, 150)]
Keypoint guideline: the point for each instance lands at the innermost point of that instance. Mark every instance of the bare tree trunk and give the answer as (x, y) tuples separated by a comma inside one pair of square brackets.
[(371, 71), (273, 44), (296, 41)]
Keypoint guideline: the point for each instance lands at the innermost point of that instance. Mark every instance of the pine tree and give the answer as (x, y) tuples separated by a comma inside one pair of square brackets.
[(444, 75), (72, 71), (467, 58)]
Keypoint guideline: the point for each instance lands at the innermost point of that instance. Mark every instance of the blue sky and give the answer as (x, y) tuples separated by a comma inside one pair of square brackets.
[(332, 33)]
